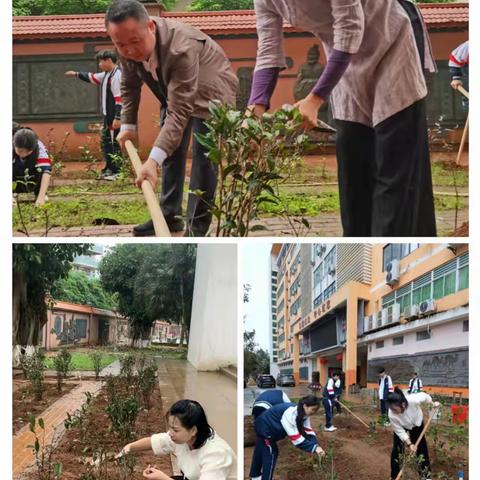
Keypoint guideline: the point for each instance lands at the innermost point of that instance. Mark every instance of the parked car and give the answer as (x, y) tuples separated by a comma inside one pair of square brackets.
[(264, 381), (285, 380)]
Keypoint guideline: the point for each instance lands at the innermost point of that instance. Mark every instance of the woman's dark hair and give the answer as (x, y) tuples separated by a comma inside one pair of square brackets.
[(191, 414), (107, 54), (120, 10), (25, 138), (308, 401), (397, 399)]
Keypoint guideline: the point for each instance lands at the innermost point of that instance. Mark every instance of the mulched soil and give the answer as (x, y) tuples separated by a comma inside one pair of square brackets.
[(78, 445), (357, 455), (24, 403)]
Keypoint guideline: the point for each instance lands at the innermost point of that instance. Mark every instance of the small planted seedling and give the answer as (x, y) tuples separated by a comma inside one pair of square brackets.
[(254, 156), (33, 367), (96, 356), (62, 363), (323, 468), (412, 466), (123, 412), (45, 466)]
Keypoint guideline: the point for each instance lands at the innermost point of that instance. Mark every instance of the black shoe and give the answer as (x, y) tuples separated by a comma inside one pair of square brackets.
[(147, 230)]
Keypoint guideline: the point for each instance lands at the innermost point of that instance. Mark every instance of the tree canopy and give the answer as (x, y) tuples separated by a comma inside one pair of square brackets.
[(152, 282), (66, 7), (78, 287), (215, 5), (255, 360)]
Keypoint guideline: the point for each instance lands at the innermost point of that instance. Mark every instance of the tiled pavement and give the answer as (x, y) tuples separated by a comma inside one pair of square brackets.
[(53, 418), (325, 225)]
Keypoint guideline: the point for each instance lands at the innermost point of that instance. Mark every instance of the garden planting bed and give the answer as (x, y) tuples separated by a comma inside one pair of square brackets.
[(356, 454), (81, 444), (25, 404)]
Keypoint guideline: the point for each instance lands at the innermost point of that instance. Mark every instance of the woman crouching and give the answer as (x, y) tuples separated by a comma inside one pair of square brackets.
[(201, 453)]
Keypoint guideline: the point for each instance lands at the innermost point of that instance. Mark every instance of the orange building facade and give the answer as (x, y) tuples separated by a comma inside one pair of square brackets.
[(354, 308)]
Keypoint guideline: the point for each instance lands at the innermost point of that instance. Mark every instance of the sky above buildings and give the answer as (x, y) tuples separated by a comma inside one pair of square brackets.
[(256, 272)]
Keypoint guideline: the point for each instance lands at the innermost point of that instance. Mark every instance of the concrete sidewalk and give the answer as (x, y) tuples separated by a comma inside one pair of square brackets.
[(216, 392)]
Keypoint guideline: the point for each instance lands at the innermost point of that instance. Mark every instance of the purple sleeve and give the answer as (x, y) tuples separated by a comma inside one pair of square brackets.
[(336, 65), (263, 85)]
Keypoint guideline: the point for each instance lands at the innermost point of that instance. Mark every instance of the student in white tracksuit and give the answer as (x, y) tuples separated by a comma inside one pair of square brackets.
[(458, 65), (406, 419), (385, 386), (415, 385)]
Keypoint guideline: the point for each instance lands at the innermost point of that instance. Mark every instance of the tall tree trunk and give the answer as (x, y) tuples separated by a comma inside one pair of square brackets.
[(29, 310)]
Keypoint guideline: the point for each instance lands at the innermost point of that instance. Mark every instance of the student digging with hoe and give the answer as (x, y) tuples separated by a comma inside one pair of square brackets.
[(377, 52), (186, 70)]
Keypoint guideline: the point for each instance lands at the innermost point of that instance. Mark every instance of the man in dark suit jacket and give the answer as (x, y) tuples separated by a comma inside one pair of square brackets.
[(186, 70)]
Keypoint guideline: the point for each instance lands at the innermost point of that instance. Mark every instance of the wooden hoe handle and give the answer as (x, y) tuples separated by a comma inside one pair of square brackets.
[(354, 415), (159, 223), (463, 91)]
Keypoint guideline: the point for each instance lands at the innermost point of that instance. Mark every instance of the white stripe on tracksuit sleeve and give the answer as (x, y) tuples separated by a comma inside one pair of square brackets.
[(288, 421)]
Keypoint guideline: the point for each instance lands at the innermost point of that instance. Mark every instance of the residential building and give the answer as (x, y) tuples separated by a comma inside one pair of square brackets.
[(356, 307), (89, 262)]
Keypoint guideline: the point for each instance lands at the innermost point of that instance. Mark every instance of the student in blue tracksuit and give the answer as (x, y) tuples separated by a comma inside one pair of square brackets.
[(280, 421), (267, 400), (330, 392)]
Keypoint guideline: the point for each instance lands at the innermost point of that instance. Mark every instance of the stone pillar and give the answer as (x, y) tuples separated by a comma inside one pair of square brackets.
[(323, 369), (296, 358), (351, 344), (213, 327)]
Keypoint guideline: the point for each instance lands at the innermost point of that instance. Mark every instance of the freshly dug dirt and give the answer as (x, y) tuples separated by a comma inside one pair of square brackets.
[(357, 455), (79, 445), (24, 403)]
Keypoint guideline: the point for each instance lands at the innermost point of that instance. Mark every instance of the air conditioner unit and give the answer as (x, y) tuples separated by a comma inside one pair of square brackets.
[(411, 311), (393, 273), (380, 318), (368, 323), (393, 314), (331, 270), (426, 307)]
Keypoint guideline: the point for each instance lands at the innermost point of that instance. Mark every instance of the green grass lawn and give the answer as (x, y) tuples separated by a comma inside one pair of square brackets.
[(156, 351), (82, 209), (81, 212), (82, 362)]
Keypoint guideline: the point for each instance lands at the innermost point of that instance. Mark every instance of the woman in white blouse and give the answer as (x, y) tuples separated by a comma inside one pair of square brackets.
[(201, 453), (406, 419)]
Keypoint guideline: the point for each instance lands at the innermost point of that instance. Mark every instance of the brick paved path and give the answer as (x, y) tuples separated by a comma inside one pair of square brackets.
[(324, 225), (53, 417)]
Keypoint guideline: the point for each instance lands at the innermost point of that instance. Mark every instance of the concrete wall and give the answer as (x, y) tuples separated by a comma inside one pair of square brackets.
[(213, 330), (240, 51), (443, 337), (354, 262)]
